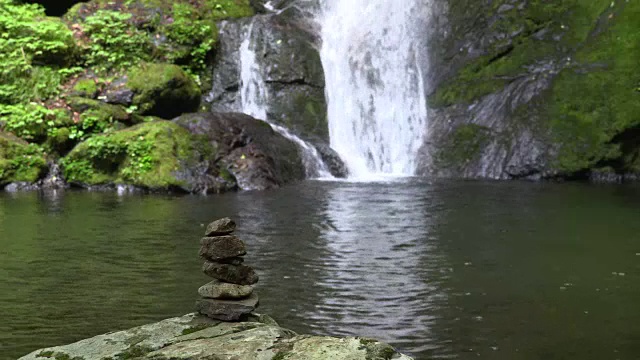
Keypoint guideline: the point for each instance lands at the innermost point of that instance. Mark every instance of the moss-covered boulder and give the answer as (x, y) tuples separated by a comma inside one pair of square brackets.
[(163, 90), (249, 149), (19, 160), (556, 83), (152, 155)]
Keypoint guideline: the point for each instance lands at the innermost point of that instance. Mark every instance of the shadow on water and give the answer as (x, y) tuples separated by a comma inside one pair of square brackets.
[(441, 270)]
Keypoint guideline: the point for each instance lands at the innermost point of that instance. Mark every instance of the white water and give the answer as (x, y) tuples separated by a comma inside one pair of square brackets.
[(375, 91), (255, 100)]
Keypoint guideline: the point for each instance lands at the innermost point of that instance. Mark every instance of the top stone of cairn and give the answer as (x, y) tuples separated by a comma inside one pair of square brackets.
[(224, 226)]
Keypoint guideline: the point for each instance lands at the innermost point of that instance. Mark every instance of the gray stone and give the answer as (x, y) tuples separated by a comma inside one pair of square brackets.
[(221, 247), (234, 274), (227, 310), (197, 337), (220, 290), (224, 226)]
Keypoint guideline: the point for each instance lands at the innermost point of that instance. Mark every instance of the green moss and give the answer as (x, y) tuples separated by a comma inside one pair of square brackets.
[(282, 355), (570, 21), (224, 9), (33, 49), (463, 145), (86, 88), (134, 352), (596, 100), (58, 356), (196, 328), (145, 155), (20, 161), (163, 90)]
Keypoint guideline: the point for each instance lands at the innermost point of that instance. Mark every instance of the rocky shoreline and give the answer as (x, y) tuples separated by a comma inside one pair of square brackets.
[(197, 337)]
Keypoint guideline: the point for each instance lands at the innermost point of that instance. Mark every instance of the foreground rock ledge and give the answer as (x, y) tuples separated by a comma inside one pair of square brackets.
[(195, 337)]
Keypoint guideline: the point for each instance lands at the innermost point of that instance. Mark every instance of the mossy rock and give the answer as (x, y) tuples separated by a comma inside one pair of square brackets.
[(182, 32), (156, 155), (86, 87), (463, 145), (163, 90), (19, 160), (571, 64)]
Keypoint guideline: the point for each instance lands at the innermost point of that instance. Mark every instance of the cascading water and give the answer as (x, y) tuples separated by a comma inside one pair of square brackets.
[(375, 90), (254, 98)]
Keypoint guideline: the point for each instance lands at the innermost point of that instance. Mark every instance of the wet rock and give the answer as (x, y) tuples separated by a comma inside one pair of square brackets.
[(286, 48), (221, 247), (220, 290), (235, 274), (254, 155), (219, 227), (330, 157)]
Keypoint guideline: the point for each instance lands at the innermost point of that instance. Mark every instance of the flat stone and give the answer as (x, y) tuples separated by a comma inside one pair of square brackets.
[(227, 310), (224, 226), (220, 290), (234, 274), (221, 247)]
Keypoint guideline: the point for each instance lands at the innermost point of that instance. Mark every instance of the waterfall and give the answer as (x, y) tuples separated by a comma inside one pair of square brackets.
[(375, 90), (255, 99)]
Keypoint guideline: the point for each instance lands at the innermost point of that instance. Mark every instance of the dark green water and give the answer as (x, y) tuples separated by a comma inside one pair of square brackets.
[(460, 270)]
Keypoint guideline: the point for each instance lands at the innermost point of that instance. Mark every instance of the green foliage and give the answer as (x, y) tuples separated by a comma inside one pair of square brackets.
[(196, 35), (28, 121), (113, 42), (30, 40)]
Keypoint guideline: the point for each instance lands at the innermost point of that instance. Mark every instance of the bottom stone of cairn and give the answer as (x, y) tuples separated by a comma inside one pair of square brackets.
[(227, 310)]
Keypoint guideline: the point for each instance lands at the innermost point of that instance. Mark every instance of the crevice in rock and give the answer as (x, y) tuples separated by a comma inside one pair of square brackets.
[(56, 8)]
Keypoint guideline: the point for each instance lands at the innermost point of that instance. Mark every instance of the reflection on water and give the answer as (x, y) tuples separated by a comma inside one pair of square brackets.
[(460, 270), (376, 245)]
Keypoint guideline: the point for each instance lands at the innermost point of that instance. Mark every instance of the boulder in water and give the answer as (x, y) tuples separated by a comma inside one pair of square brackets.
[(256, 156)]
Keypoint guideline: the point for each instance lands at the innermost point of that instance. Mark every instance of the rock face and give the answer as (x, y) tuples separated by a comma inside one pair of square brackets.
[(254, 155), (286, 52), (223, 255), (518, 90), (195, 337)]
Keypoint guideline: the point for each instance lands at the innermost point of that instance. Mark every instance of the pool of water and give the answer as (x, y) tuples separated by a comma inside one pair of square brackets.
[(441, 270)]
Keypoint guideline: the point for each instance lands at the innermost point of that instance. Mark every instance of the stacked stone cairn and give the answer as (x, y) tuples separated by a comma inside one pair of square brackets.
[(230, 296)]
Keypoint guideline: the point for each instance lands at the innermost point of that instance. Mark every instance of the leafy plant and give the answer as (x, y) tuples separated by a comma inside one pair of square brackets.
[(194, 33), (113, 42), (29, 41)]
